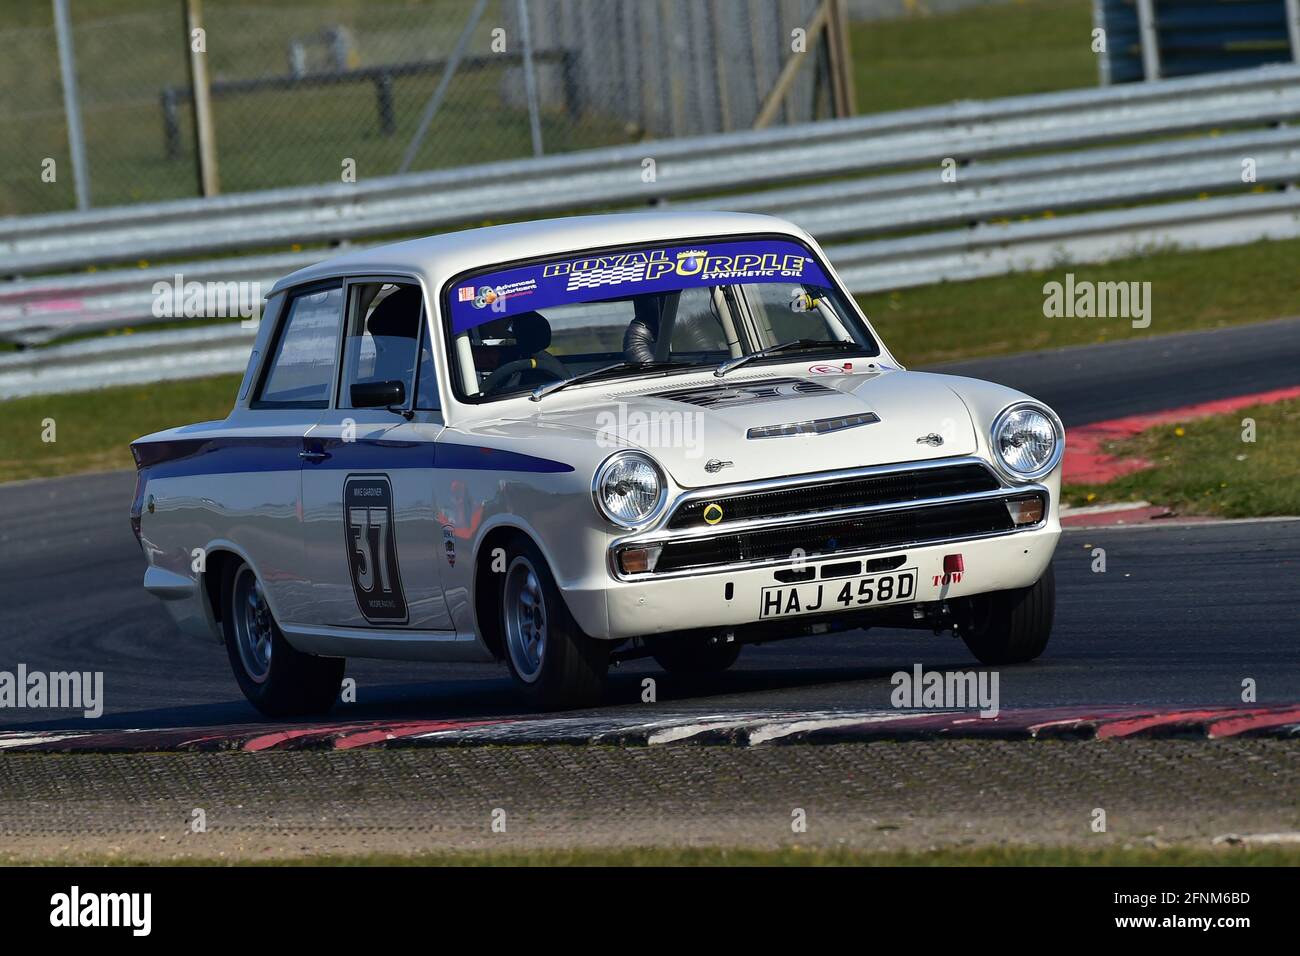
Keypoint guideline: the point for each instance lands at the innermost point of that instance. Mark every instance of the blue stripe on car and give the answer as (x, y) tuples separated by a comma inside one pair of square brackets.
[(222, 456)]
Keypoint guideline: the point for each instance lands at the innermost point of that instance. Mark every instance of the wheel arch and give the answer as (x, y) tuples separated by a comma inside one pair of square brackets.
[(486, 600), (217, 556)]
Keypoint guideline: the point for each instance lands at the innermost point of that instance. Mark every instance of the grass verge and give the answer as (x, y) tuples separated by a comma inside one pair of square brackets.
[(1205, 467), (786, 856), (93, 431), (1004, 314), (1032, 46)]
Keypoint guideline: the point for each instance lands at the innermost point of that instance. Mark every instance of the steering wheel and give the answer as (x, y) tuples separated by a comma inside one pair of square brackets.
[(500, 376)]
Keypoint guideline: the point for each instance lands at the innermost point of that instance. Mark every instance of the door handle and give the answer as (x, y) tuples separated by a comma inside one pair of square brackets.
[(313, 455)]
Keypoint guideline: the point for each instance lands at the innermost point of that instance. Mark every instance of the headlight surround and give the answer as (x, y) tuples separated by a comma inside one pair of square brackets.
[(629, 489), (1028, 441)]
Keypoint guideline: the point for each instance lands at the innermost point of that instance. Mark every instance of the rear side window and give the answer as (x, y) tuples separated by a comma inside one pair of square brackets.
[(301, 370)]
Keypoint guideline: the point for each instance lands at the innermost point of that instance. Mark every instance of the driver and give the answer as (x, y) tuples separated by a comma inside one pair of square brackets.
[(527, 363)]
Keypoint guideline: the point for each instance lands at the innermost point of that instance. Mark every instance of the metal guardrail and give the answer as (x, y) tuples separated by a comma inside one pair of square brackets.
[(874, 266), (42, 309), (1049, 176)]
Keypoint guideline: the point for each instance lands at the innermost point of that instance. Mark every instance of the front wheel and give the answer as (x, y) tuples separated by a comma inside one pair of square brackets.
[(278, 680), (555, 665), (1012, 627)]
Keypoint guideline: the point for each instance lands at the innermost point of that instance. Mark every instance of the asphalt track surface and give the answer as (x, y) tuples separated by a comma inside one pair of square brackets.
[(1181, 616)]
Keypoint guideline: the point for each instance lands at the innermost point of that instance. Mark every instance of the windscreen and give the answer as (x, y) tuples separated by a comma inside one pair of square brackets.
[(660, 308)]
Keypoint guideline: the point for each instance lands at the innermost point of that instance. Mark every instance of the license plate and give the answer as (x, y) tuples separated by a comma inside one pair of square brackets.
[(841, 594)]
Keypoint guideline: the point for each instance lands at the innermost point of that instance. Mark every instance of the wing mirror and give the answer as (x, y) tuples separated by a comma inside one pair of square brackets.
[(379, 394)]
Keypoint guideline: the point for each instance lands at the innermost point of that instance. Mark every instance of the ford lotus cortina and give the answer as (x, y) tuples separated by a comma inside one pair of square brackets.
[(561, 444)]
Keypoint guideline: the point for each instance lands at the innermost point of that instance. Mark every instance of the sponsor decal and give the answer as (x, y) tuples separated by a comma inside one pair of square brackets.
[(633, 272), (825, 368), (465, 294)]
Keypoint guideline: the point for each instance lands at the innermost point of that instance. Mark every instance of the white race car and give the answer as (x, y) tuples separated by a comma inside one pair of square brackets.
[(558, 444)]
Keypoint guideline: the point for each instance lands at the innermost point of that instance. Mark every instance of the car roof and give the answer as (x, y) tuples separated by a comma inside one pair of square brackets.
[(438, 258)]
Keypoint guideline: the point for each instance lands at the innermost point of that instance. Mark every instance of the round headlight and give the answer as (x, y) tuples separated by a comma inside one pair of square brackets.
[(629, 488), (1028, 441)]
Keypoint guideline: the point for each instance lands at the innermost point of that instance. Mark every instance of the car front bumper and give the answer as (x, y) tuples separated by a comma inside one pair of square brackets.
[(725, 599)]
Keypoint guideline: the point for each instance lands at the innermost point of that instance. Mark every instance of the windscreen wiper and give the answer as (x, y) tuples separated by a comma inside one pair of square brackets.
[(800, 344), (541, 391)]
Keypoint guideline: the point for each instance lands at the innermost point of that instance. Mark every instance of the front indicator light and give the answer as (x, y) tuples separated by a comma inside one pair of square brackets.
[(639, 560), (1025, 510)]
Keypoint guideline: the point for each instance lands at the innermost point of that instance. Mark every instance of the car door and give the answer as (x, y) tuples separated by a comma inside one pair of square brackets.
[(257, 465), (370, 523)]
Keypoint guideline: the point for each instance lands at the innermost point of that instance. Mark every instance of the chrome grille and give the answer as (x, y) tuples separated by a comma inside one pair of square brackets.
[(898, 487), (887, 529)]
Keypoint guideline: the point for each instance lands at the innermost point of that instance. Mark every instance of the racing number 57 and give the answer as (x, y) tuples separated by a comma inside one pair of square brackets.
[(368, 524)]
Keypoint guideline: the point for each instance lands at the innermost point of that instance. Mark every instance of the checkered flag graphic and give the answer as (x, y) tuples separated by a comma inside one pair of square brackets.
[(612, 276)]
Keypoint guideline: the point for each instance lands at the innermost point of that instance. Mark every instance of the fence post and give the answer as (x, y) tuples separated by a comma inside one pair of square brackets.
[(1146, 12), (1293, 27), (384, 102), (435, 101), (72, 104), (205, 136), (530, 79)]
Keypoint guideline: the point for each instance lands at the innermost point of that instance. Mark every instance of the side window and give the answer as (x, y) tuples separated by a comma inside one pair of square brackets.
[(301, 370), (386, 335), (796, 311)]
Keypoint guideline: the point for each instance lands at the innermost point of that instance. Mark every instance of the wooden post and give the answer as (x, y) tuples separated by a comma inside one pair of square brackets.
[(205, 136), (841, 60), (785, 79)]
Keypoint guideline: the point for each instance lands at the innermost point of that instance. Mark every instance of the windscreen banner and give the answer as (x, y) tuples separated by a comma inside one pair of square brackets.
[(628, 272)]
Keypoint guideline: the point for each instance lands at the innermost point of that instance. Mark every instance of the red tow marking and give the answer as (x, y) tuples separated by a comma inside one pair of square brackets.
[(1245, 723), (1086, 463), (348, 736), (1210, 722), (417, 728)]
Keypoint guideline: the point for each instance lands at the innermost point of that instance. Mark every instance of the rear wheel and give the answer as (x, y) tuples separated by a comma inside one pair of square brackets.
[(555, 665), (693, 653), (1012, 627), (278, 680)]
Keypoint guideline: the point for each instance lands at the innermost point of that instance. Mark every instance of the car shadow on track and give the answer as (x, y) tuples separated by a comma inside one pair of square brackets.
[(745, 689)]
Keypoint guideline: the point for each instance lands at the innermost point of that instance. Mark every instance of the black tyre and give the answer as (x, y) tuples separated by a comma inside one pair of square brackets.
[(693, 653), (555, 665), (1012, 627), (278, 680)]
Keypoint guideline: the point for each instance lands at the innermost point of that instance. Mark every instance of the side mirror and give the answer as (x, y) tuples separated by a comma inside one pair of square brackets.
[(378, 394)]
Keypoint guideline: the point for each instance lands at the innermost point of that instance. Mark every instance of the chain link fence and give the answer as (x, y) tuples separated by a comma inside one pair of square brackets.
[(304, 93)]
